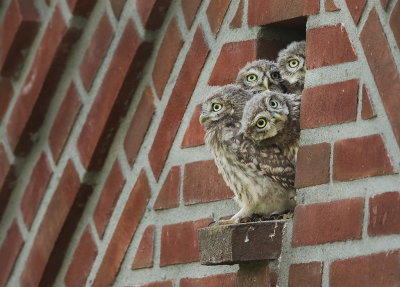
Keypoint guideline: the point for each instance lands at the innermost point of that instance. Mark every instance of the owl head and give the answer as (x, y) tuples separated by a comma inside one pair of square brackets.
[(259, 76), (224, 106), (271, 116), (292, 65)]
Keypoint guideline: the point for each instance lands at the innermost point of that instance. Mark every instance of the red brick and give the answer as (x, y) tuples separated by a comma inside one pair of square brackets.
[(333, 221), (113, 98), (108, 199), (173, 114), (64, 121), (356, 8), (313, 165), (84, 256), (169, 283), (168, 197), (253, 275), (144, 253), (35, 189), (305, 275), (221, 280), (194, 135), (215, 14), (96, 50), (6, 92), (329, 104), (152, 12), (166, 57), (81, 7), (139, 125), (367, 110), (19, 28), (319, 49), (200, 186), (384, 214), (261, 12), (9, 251), (237, 20), (7, 179), (190, 8), (51, 226), (383, 68), (361, 157), (179, 243), (225, 70), (381, 269), (124, 232), (395, 23), (331, 6), (384, 4)]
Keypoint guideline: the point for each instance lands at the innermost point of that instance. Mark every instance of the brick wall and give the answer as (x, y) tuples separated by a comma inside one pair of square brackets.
[(104, 176)]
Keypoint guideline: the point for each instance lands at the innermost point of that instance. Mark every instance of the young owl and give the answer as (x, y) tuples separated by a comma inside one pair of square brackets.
[(259, 76), (262, 179), (273, 119), (292, 66)]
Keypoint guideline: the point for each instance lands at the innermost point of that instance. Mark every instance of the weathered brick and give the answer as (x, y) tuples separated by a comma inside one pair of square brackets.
[(173, 114), (117, 6), (237, 20), (17, 32), (381, 269), (215, 14), (152, 12), (179, 243), (7, 179), (113, 99), (356, 8), (395, 23), (6, 92), (255, 274), (329, 104), (144, 253), (166, 57), (384, 214), (81, 7), (41, 83), (168, 283), (330, 6), (168, 197), (319, 49), (124, 232), (84, 256), (190, 8), (108, 199), (220, 280), (383, 68), (361, 157), (139, 125), (261, 12), (194, 135), (305, 275), (9, 251), (333, 221), (200, 186), (384, 4), (367, 109), (35, 189), (96, 50), (313, 165), (64, 121)]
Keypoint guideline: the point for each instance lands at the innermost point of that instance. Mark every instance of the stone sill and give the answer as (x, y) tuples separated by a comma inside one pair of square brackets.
[(241, 243)]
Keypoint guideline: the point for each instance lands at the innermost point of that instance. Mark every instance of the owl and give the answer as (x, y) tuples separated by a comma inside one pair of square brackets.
[(292, 66), (259, 76), (273, 119), (261, 178)]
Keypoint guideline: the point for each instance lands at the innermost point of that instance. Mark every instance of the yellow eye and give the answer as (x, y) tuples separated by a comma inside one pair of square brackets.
[(216, 107), (273, 103), (275, 75), (251, 78), (261, 123), (293, 63)]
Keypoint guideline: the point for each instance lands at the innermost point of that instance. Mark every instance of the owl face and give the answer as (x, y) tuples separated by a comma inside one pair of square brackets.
[(292, 63), (224, 105), (265, 115), (259, 76)]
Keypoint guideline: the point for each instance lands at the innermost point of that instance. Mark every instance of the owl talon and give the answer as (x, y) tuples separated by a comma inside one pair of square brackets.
[(274, 217), (294, 198), (212, 223)]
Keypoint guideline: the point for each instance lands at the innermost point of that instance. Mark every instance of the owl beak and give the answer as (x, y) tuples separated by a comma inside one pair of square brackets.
[(265, 82), (202, 119), (278, 117)]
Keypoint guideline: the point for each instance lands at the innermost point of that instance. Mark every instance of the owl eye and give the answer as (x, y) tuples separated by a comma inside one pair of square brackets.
[(261, 123), (275, 75), (251, 78), (293, 63), (273, 104), (216, 107)]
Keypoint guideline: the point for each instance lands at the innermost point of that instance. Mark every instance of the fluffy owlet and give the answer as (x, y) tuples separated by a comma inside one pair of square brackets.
[(262, 179), (273, 119), (259, 76), (292, 66)]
